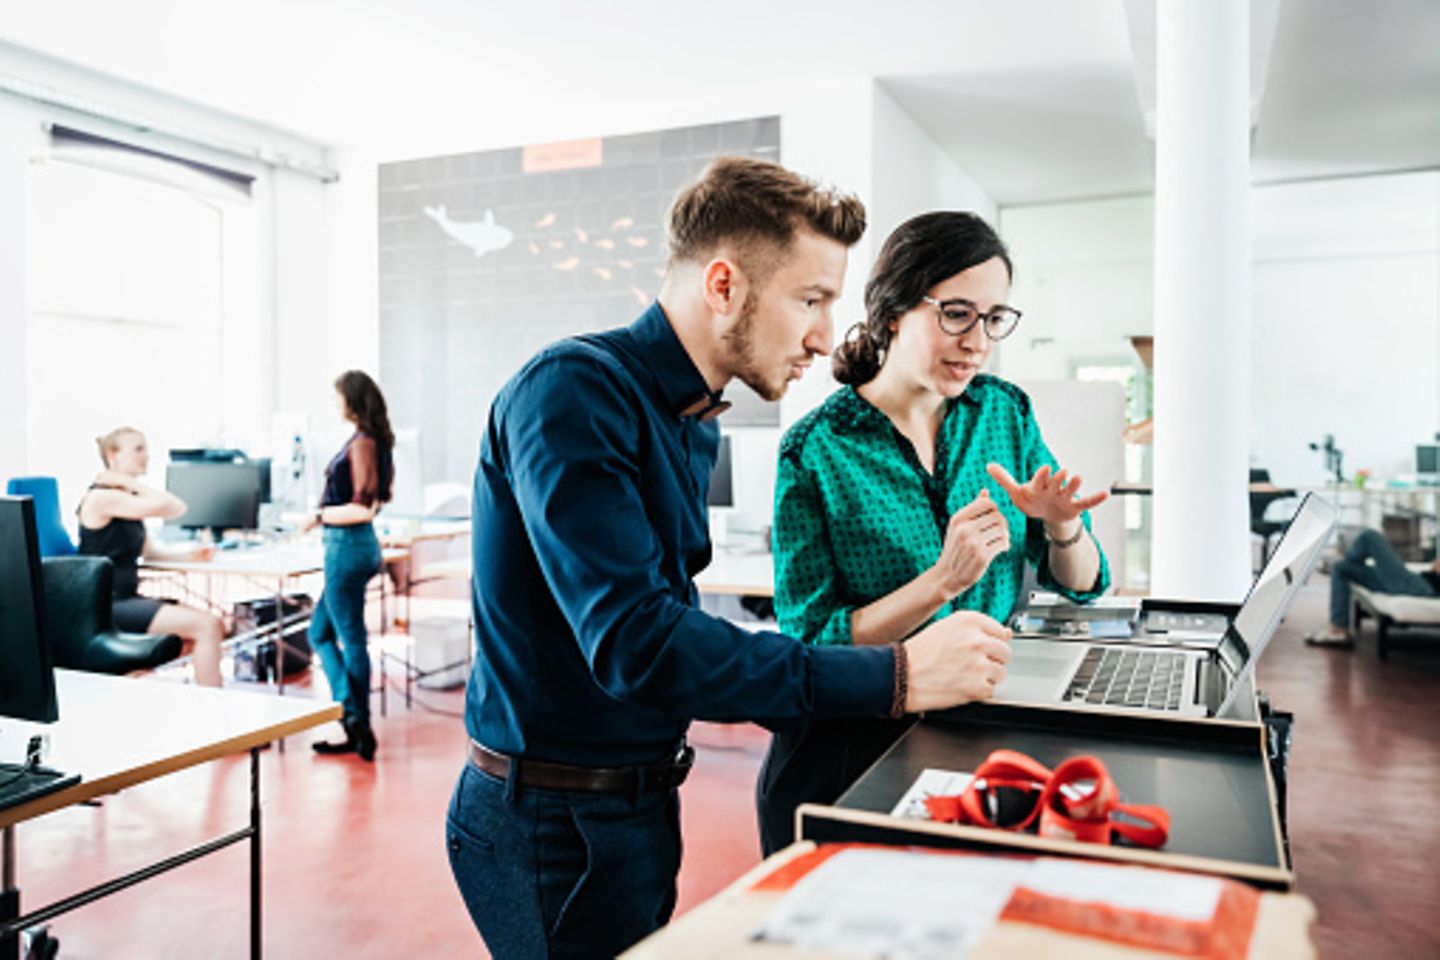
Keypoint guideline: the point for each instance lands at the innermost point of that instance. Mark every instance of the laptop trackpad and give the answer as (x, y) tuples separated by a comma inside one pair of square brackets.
[(1038, 670)]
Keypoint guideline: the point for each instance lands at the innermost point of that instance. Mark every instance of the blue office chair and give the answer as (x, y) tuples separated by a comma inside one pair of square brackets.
[(54, 541)]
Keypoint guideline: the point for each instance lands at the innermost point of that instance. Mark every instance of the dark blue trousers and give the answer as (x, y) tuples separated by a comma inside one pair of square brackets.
[(1374, 564), (337, 627), (550, 874)]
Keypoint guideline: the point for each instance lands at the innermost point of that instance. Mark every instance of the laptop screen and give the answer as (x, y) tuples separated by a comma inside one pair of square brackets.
[(1270, 596)]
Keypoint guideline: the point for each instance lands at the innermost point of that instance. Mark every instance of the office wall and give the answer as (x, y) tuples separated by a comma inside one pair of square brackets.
[(913, 175), (487, 257), (846, 132), (1345, 310)]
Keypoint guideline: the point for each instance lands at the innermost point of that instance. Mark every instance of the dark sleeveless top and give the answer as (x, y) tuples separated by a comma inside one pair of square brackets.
[(122, 541), (353, 466)]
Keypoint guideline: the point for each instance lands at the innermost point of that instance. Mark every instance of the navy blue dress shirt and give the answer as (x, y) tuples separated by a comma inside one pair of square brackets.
[(589, 527)]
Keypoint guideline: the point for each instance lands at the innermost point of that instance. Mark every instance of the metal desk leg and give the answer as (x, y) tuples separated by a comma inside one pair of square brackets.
[(255, 853), (279, 674), (9, 894), (384, 676)]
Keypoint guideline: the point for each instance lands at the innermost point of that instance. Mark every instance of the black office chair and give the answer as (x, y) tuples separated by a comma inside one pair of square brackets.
[(81, 624), (1259, 505)]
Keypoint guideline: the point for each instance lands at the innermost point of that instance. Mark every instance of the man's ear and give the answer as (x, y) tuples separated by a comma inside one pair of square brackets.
[(724, 286)]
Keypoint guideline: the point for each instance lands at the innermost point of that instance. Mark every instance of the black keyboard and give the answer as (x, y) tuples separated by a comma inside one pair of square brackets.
[(19, 784), (1122, 677)]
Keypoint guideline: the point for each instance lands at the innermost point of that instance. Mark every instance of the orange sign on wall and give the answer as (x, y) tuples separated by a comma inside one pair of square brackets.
[(566, 155)]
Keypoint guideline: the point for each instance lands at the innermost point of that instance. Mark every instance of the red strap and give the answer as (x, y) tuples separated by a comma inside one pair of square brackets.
[(1076, 801)]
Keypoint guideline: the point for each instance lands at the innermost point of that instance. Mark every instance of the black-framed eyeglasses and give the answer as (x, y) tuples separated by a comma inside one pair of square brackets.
[(958, 316)]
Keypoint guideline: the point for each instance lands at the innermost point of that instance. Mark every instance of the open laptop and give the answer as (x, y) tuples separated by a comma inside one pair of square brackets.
[(1176, 682)]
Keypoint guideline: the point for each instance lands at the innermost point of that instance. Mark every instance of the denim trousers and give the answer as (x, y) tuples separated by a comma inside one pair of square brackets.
[(337, 628), (552, 874), (1374, 564)]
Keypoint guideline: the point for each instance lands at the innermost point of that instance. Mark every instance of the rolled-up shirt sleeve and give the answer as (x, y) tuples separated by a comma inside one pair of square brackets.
[(575, 471)]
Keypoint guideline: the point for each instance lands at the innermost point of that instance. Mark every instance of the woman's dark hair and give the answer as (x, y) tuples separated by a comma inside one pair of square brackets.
[(366, 405), (920, 253)]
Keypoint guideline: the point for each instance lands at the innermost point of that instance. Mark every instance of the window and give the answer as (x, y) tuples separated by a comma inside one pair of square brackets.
[(143, 300)]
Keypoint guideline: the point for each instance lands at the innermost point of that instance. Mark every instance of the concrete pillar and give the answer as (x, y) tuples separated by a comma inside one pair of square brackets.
[(1201, 546)]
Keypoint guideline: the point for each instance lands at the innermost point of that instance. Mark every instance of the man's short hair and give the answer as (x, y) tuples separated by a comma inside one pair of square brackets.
[(755, 207)]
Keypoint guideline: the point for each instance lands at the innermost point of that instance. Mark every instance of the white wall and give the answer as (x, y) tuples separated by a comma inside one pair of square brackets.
[(1346, 308)]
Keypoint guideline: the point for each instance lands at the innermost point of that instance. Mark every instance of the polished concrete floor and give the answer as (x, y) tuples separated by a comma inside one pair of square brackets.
[(355, 866)]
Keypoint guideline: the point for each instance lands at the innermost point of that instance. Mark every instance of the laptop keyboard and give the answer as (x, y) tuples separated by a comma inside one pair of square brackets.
[(1120, 677)]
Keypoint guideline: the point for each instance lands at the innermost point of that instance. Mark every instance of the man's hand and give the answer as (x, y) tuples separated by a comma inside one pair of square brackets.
[(957, 660), (977, 534), (1052, 498)]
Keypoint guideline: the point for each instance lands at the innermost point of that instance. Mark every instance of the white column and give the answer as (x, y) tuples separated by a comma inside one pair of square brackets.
[(1201, 546)]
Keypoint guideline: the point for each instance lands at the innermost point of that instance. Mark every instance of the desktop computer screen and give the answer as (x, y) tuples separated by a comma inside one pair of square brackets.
[(722, 479), (1427, 462), (217, 495), (27, 678)]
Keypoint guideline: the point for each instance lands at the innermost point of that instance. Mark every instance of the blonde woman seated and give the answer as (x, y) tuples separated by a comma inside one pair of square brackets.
[(112, 515)]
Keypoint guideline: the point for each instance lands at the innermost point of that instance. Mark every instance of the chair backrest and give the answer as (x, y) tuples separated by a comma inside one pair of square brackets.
[(54, 541), (77, 606)]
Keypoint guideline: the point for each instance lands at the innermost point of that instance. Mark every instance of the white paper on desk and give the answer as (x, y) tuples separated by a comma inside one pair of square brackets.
[(895, 904), (1166, 894), (930, 783)]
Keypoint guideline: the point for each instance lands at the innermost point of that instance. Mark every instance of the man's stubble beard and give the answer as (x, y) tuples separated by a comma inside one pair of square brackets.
[(741, 352)]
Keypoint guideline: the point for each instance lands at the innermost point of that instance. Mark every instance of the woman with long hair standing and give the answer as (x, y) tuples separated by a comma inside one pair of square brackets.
[(357, 483)]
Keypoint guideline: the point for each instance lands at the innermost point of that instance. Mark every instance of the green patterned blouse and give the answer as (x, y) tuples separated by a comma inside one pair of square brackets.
[(857, 516)]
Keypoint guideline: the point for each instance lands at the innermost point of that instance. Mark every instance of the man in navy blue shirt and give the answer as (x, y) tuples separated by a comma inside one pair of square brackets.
[(589, 527)]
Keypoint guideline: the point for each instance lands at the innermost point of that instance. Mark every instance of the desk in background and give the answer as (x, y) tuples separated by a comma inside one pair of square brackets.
[(739, 574), (277, 565), (117, 732)]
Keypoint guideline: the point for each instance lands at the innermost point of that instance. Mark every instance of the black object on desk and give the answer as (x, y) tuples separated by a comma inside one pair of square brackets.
[(1213, 777)]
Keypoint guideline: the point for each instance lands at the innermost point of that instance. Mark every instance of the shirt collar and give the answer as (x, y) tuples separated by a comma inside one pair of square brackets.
[(681, 386), (853, 412)]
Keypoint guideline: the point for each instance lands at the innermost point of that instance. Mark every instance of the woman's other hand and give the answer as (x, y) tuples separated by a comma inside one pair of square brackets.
[(977, 534), (1052, 498)]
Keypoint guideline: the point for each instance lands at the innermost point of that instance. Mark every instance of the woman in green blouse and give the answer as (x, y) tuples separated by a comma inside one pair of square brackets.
[(896, 502)]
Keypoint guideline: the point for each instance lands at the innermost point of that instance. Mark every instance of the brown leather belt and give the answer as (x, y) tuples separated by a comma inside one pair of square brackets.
[(543, 775)]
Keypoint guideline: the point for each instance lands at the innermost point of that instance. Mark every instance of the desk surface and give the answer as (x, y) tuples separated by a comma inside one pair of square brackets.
[(119, 731), (290, 559), (745, 574)]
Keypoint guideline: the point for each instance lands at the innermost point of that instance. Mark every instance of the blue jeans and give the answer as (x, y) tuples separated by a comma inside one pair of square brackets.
[(550, 874), (352, 557), (1385, 573)]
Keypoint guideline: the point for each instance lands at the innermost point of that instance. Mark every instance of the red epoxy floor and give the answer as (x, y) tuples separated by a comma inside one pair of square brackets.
[(355, 865)]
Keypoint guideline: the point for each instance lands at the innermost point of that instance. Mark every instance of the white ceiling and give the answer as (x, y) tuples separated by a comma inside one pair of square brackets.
[(1036, 99)]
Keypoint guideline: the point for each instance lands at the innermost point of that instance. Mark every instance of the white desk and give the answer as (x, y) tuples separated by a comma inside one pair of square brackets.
[(279, 563), (117, 732), (742, 574)]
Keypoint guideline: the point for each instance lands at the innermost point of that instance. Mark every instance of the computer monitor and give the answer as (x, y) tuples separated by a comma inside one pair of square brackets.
[(722, 479), (220, 496), (1427, 462), (27, 676)]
